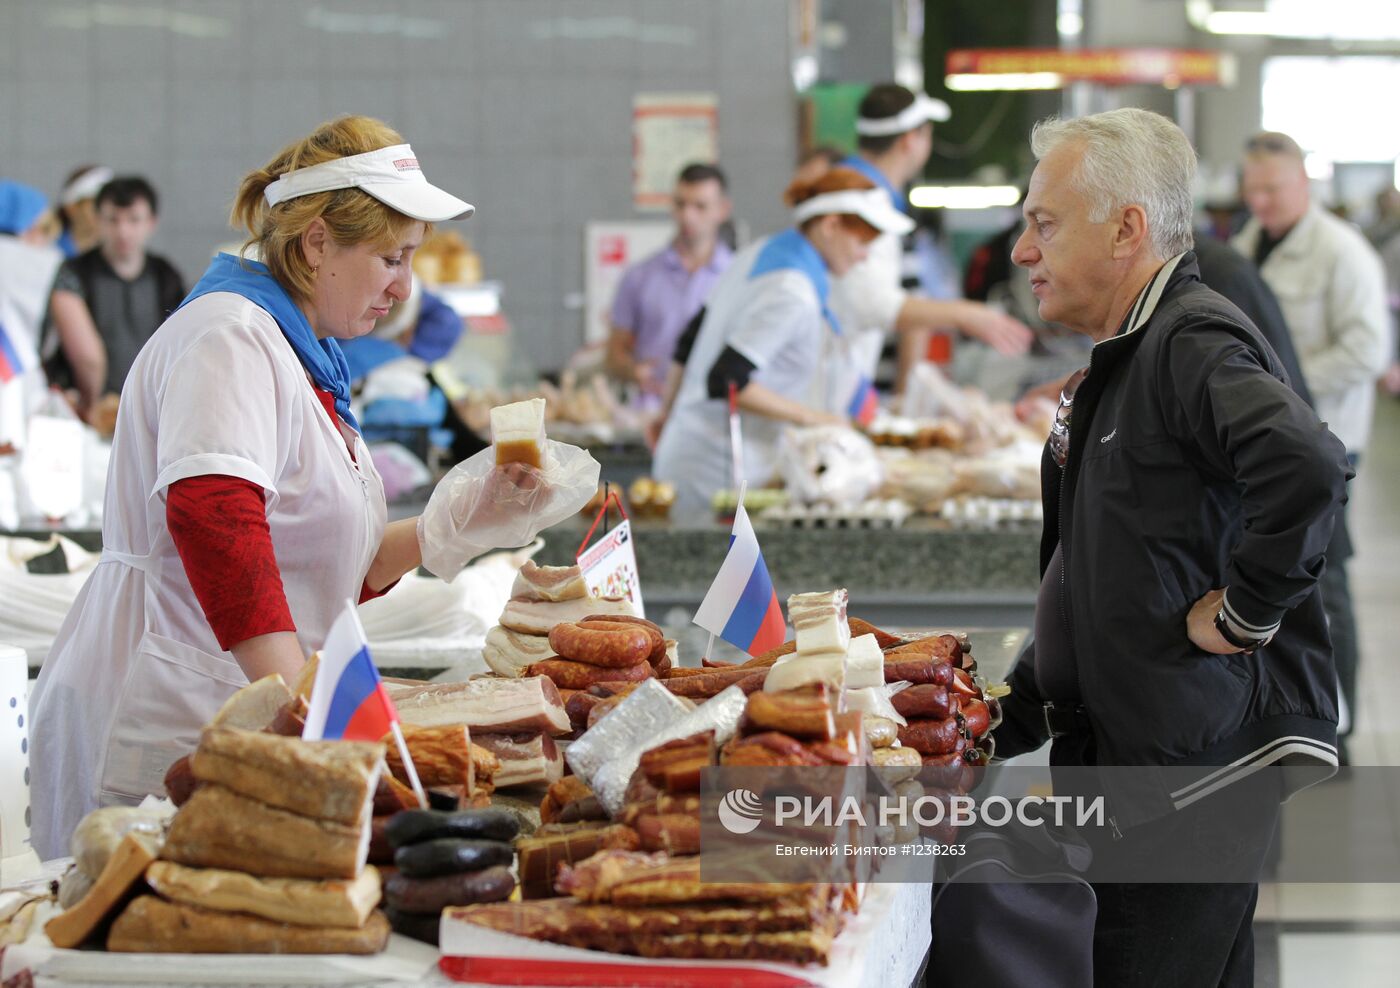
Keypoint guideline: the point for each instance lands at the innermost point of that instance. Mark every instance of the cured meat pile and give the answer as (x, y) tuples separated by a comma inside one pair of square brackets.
[(514, 720), (655, 905), (267, 854), (542, 597)]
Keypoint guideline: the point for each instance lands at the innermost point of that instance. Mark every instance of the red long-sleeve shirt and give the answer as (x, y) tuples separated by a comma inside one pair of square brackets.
[(219, 526)]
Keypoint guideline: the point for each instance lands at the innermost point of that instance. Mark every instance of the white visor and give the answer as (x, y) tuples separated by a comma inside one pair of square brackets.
[(923, 108), (871, 205), (391, 175), (85, 186)]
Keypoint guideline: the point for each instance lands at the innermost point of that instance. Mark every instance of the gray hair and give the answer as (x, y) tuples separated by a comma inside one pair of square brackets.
[(1131, 157)]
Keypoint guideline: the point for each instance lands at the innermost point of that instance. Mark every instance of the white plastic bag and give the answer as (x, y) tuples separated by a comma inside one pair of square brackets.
[(478, 507), (828, 464)]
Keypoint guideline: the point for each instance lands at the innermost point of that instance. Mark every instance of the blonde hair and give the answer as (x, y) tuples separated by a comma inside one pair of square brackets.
[(351, 216), (837, 179)]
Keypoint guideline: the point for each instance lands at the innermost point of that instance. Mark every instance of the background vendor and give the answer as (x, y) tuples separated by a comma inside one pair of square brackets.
[(243, 509), (894, 140), (765, 332)]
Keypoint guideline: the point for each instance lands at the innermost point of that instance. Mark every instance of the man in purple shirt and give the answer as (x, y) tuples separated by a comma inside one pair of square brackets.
[(660, 294)]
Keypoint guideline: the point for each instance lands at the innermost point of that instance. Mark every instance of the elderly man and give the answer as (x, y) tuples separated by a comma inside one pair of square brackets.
[(1331, 285), (1188, 502)]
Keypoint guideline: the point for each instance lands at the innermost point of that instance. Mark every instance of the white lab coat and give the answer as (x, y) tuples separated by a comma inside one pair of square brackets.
[(1331, 286), (774, 320), (136, 671)]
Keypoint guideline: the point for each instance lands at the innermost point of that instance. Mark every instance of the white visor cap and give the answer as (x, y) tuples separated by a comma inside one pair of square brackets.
[(86, 185), (924, 108), (871, 205), (391, 175)]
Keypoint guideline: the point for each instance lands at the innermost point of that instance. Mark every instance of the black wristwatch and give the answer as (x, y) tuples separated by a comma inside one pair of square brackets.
[(1246, 644)]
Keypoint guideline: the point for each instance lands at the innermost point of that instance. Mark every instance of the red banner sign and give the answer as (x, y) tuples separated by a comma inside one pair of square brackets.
[(1113, 66)]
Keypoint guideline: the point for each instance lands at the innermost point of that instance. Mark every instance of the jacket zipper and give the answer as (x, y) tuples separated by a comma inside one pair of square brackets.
[(1064, 576)]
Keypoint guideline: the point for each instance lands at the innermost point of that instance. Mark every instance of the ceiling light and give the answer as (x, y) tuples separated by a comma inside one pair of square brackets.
[(967, 82), (1240, 22), (964, 196)]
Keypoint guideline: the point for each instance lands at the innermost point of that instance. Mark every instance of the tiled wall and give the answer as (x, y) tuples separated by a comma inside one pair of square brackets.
[(521, 106)]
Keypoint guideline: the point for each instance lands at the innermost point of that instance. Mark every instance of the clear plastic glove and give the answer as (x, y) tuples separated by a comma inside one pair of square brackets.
[(478, 506)]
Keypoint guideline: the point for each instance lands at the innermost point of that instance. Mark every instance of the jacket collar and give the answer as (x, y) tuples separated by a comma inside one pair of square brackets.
[(1150, 297), (1296, 243)]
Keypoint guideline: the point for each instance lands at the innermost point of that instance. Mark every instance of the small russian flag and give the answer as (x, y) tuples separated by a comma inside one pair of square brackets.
[(348, 700), (864, 402), (11, 366), (741, 606)]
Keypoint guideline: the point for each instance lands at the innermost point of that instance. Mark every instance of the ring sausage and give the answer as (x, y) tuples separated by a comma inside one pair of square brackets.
[(612, 644), (449, 855), (924, 701), (658, 637), (931, 737), (433, 895), (964, 684), (919, 671), (976, 717), (568, 674)]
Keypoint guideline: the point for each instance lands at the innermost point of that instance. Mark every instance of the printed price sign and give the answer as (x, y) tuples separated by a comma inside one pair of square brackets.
[(609, 566)]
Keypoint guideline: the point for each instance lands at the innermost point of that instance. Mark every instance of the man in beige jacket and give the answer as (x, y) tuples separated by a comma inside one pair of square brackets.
[(1331, 287)]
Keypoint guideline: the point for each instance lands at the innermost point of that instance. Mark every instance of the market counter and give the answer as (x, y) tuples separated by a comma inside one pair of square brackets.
[(924, 573)]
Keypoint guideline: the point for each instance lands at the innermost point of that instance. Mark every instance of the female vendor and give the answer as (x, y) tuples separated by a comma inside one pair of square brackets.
[(242, 507), (765, 331)]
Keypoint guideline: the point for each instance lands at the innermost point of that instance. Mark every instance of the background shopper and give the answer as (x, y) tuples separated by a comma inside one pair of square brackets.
[(660, 294), (1331, 286), (108, 300)]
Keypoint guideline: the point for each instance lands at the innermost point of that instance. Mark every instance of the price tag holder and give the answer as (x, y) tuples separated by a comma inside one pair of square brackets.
[(609, 566)]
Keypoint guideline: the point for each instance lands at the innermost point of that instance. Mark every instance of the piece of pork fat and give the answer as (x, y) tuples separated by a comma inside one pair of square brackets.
[(487, 705), (548, 583), (532, 617), (526, 759)]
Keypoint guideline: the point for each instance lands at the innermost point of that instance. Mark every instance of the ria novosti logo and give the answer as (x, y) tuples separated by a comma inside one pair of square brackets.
[(741, 811)]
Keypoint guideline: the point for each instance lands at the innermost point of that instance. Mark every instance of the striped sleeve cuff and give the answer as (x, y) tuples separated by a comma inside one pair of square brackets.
[(1245, 629)]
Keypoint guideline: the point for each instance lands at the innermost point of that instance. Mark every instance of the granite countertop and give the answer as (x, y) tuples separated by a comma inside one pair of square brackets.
[(918, 558)]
